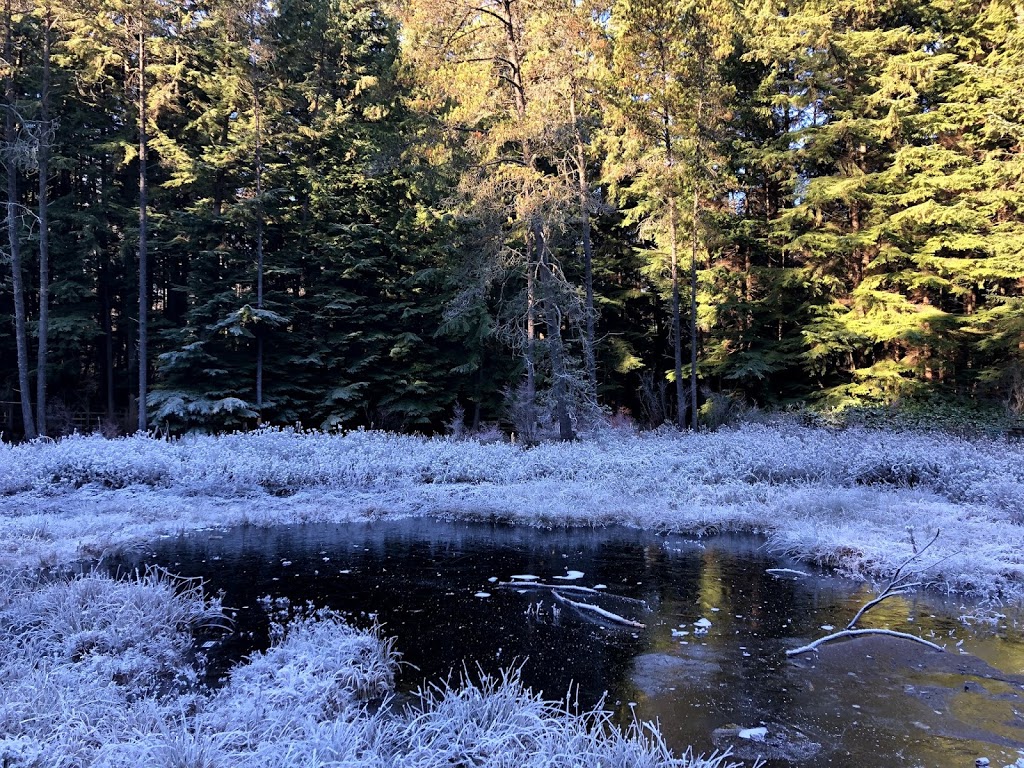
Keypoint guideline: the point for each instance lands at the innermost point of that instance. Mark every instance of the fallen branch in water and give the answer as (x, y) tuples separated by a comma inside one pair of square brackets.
[(538, 585), (856, 632), (599, 611), (899, 584), (555, 588)]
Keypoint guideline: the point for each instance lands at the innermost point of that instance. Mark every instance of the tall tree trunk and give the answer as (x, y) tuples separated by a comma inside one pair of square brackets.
[(20, 319), (259, 240), (694, 229), (673, 244), (143, 220), (108, 351), (553, 321), (515, 79), (529, 358), (44, 228), (589, 350), (693, 309), (677, 341)]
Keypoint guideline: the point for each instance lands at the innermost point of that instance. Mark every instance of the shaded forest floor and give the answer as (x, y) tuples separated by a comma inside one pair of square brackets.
[(859, 500)]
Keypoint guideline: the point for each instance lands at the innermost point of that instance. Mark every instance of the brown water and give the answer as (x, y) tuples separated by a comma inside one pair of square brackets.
[(866, 702)]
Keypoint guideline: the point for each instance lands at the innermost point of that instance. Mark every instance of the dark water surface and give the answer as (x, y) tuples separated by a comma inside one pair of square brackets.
[(436, 587)]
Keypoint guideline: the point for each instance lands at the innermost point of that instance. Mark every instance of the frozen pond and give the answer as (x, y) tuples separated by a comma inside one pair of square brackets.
[(710, 658)]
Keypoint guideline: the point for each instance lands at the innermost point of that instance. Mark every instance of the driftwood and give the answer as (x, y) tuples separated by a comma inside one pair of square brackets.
[(614, 617), (899, 584)]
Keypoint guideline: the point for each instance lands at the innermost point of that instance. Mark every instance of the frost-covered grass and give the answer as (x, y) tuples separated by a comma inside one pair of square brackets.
[(852, 498), (96, 672)]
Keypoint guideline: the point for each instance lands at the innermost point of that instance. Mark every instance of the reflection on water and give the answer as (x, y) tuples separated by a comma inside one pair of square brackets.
[(864, 703)]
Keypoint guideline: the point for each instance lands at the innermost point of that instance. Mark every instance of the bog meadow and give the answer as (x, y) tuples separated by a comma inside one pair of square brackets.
[(514, 382)]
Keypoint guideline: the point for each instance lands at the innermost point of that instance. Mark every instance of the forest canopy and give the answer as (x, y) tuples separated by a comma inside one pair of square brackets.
[(345, 213)]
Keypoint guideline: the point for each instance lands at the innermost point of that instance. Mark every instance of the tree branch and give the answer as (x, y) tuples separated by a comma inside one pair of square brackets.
[(856, 633), (599, 611)]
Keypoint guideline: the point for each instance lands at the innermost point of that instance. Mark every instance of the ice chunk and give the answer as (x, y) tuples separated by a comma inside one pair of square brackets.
[(522, 577), (482, 594), (754, 734), (702, 623), (571, 575)]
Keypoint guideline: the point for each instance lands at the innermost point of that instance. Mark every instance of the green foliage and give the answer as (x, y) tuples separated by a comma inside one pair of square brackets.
[(846, 175)]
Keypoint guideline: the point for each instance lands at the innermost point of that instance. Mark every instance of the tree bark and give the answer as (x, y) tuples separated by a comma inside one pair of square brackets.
[(553, 321), (677, 332), (529, 357), (589, 350), (257, 116), (143, 221), (44, 227), (693, 310), (20, 319)]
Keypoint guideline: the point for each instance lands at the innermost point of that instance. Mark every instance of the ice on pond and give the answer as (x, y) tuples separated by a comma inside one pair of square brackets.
[(600, 586), (523, 577), (702, 623), (786, 572), (482, 594), (571, 576), (754, 734), (493, 579)]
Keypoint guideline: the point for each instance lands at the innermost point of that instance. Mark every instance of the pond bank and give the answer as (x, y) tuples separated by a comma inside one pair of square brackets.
[(858, 500)]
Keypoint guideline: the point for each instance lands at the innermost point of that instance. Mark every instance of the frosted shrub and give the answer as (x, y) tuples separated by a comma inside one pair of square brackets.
[(132, 632), (84, 660), (319, 668), (81, 460)]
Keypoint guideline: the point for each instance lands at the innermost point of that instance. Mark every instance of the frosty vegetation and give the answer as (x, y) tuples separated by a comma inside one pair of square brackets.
[(97, 672), (857, 499)]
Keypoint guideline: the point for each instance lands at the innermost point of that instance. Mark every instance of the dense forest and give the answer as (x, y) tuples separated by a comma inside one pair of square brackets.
[(353, 212)]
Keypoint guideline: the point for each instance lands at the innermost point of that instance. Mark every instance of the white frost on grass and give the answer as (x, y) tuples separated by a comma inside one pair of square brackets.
[(499, 722), (96, 673), (844, 498)]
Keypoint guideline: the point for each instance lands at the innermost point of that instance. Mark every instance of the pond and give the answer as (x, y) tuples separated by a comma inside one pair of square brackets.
[(718, 615)]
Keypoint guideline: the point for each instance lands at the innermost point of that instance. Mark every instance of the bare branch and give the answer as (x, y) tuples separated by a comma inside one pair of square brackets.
[(599, 611), (898, 584), (858, 632)]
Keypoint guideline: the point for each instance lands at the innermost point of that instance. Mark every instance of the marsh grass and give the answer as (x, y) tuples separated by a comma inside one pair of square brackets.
[(85, 664), (498, 721)]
